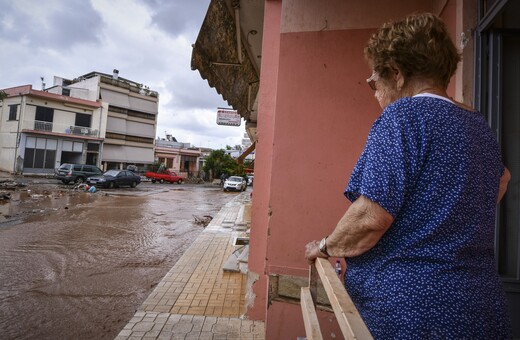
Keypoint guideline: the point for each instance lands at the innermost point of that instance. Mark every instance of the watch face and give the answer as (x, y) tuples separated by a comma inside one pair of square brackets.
[(323, 246)]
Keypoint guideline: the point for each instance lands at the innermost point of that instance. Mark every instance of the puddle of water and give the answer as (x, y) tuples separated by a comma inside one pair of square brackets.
[(81, 268)]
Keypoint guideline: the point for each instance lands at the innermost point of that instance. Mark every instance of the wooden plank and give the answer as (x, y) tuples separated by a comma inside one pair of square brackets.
[(313, 283), (350, 322), (310, 319)]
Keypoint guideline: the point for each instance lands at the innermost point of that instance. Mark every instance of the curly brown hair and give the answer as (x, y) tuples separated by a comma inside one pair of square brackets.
[(418, 44)]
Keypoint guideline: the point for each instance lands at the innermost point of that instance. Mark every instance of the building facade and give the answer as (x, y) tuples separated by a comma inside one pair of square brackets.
[(131, 118), (95, 119), (307, 59), (178, 157), (40, 130)]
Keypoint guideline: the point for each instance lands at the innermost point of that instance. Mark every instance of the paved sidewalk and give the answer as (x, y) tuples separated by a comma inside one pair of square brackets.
[(197, 299)]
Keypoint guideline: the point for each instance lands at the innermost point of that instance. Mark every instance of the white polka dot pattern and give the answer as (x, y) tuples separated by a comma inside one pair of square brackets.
[(435, 168)]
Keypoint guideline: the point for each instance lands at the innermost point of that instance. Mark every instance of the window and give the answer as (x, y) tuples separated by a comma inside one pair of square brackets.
[(70, 146), (65, 91), (138, 114), (44, 114), (83, 119), (113, 135), (13, 110), (92, 147), (40, 153)]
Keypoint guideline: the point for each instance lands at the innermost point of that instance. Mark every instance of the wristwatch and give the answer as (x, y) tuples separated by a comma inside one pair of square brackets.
[(323, 246)]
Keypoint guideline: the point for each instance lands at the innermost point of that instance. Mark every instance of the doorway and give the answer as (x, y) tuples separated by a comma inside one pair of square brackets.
[(496, 96)]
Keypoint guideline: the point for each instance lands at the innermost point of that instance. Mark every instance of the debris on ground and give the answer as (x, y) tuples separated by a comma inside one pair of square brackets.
[(4, 195), (80, 186), (202, 221), (9, 184)]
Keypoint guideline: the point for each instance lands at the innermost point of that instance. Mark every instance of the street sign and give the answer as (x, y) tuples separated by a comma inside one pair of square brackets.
[(228, 117)]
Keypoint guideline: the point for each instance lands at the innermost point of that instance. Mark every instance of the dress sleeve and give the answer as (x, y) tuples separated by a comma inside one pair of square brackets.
[(389, 163)]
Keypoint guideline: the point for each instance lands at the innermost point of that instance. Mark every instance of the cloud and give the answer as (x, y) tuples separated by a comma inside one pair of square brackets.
[(148, 41), (178, 18), (40, 24)]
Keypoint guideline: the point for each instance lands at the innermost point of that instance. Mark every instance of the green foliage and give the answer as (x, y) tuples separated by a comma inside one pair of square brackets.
[(157, 166), (249, 163), (3, 95), (220, 162)]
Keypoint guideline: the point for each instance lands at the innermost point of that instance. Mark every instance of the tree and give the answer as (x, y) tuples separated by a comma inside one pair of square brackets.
[(219, 162), (3, 95)]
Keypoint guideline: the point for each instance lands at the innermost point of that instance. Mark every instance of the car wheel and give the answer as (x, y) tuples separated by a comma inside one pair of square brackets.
[(161, 181), (133, 185), (179, 181), (111, 185), (79, 180), (153, 180), (65, 181)]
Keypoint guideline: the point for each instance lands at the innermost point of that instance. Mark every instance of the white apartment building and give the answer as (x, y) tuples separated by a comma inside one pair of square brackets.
[(96, 119), (131, 117), (40, 130)]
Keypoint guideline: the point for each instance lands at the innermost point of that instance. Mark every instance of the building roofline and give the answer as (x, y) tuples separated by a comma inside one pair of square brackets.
[(27, 90)]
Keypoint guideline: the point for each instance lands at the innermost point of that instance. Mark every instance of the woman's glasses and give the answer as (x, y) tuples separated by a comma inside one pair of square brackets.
[(372, 80)]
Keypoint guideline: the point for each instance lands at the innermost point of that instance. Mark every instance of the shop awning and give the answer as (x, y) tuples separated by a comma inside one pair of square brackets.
[(127, 154), (128, 101), (216, 58), (166, 155)]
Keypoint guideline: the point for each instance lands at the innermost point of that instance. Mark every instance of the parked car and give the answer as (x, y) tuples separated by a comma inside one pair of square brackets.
[(235, 183), (115, 178), (77, 173), (165, 176)]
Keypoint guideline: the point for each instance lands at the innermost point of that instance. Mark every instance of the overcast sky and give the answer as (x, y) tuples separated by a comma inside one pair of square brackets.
[(148, 41)]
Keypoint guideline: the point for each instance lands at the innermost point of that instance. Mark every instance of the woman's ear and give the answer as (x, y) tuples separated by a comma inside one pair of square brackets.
[(398, 77)]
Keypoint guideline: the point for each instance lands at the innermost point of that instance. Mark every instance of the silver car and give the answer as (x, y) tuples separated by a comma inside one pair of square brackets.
[(235, 183)]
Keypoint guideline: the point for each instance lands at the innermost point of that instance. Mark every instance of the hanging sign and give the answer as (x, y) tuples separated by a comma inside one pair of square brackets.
[(228, 117)]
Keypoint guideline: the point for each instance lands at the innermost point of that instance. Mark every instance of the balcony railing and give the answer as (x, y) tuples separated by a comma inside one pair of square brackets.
[(39, 125), (42, 126), (349, 320)]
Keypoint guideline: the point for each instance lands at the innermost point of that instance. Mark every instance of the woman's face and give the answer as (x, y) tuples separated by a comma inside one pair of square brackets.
[(385, 90), (385, 94)]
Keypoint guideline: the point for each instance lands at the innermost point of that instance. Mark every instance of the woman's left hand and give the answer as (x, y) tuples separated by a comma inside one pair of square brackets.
[(312, 251)]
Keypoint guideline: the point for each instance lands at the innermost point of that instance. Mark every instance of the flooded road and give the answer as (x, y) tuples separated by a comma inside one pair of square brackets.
[(79, 265)]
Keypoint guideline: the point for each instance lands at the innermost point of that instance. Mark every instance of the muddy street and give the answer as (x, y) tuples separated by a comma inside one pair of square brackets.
[(76, 265)]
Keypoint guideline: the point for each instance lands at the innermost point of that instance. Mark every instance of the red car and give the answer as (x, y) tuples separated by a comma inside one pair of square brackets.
[(166, 176)]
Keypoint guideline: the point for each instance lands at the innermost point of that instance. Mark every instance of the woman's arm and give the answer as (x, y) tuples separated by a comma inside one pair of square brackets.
[(504, 180), (359, 230)]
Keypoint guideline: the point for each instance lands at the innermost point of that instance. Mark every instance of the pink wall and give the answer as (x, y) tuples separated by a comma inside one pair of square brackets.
[(264, 158), (290, 320), (323, 114), (449, 15)]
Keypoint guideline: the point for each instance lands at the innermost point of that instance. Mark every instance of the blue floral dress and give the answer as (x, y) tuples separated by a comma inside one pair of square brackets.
[(436, 169)]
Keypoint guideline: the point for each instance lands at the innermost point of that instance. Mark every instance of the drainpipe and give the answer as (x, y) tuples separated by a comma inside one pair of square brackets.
[(102, 142), (22, 109), (236, 6)]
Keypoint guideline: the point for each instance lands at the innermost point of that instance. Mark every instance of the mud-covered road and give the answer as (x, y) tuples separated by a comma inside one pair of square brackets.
[(75, 265)]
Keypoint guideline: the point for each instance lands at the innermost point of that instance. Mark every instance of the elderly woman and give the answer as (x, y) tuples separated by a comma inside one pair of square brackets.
[(418, 237)]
